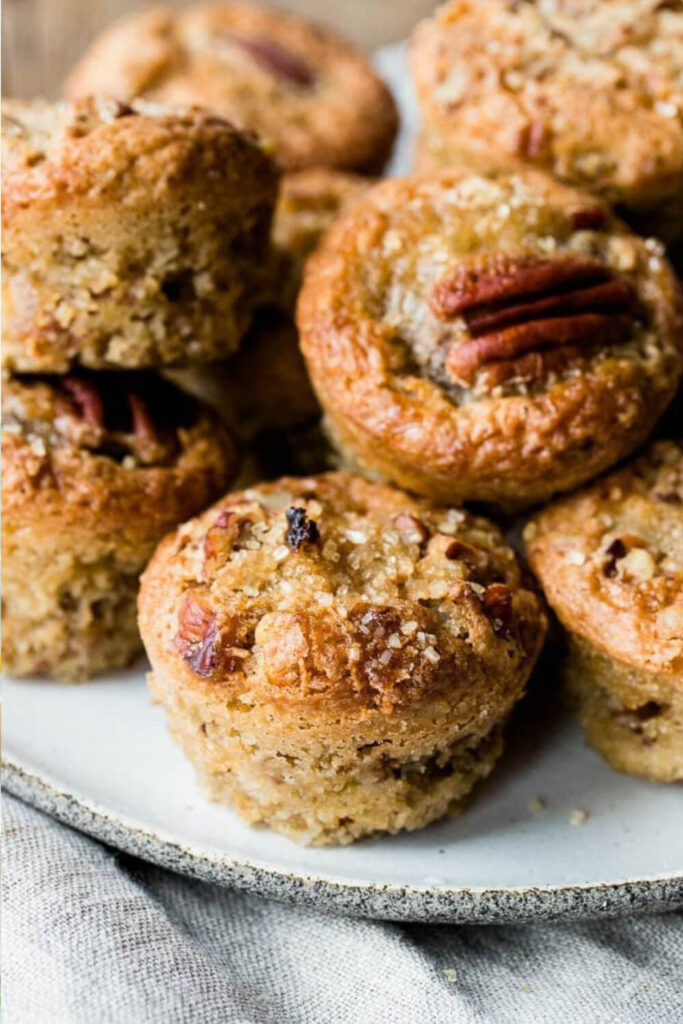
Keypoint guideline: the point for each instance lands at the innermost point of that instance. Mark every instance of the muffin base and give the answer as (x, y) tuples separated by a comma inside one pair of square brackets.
[(330, 789), (633, 718), (76, 620)]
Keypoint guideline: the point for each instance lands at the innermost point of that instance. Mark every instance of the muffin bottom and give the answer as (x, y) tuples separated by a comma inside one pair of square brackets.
[(633, 718), (78, 617), (335, 788)]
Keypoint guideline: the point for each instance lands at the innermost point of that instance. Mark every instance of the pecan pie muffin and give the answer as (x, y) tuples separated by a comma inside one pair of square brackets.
[(265, 386), (301, 88), (336, 658), (131, 237), (590, 90), (495, 339), (610, 559), (95, 470), (308, 203)]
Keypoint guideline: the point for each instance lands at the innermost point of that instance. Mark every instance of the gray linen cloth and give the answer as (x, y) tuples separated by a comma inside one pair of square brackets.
[(93, 936)]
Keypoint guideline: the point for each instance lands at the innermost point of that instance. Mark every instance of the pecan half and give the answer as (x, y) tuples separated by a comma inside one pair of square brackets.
[(517, 305), (275, 58)]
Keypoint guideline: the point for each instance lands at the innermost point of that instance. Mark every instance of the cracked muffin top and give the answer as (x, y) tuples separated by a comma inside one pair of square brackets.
[(503, 336), (591, 90), (98, 146), (610, 560), (109, 447), (299, 87), (332, 589)]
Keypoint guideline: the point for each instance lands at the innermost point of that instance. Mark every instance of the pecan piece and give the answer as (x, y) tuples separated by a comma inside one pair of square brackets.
[(497, 600), (87, 400), (205, 646), (220, 539), (411, 528), (197, 637), (275, 58), (587, 219), (143, 424), (460, 551), (514, 306)]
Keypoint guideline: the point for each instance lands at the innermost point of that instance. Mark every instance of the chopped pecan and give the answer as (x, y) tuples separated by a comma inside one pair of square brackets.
[(411, 528), (533, 139), (87, 400), (461, 551), (208, 649), (588, 218), (197, 637), (275, 58), (518, 305), (220, 539), (300, 529), (497, 599)]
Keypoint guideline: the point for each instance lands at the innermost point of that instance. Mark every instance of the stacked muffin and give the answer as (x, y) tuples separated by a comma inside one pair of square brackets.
[(335, 656), (133, 239)]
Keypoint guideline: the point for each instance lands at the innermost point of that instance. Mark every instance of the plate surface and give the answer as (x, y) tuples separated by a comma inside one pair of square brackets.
[(98, 757)]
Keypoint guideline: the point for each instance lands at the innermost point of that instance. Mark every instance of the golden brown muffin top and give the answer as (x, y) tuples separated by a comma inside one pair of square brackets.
[(592, 90), (132, 153), (610, 559), (500, 321), (332, 589), (297, 85), (124, 447)]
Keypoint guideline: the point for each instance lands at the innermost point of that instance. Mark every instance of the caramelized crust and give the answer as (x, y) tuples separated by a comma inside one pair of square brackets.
[(133, 236), (497, 339), (589, 91), (610, 559), (335, 657), (307, 93)]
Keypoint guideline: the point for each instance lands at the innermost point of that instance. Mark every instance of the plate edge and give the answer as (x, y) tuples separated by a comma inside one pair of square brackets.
[(443, 904)]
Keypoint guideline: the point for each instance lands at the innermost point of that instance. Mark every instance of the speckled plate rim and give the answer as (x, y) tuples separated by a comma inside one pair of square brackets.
[(433, 904)]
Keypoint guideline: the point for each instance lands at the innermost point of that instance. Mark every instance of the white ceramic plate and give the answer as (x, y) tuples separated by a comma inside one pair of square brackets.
[(98, 757)]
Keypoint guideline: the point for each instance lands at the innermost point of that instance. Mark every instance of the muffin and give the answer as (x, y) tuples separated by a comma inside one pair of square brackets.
[(610, 560), (308, 93), (131, 237), (591, 91), (491, 338), (264, 387), (95, 470), (336, 658), (308, 203)]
